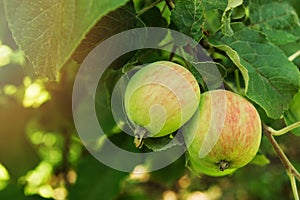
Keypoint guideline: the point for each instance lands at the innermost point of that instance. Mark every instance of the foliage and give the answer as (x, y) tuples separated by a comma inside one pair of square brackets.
[(255, 45)]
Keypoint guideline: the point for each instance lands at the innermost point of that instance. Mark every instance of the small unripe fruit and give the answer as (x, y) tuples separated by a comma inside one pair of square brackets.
[(223, 135), (161, 97)]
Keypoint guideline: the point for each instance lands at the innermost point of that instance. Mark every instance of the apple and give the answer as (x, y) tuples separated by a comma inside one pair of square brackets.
[(223, 135), (160, 98)]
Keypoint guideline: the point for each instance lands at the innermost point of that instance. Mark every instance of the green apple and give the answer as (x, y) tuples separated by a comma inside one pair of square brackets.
[(161, 97), (223, 135)]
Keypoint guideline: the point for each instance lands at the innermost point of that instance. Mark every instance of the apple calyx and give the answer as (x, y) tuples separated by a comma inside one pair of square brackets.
[(223, 165)]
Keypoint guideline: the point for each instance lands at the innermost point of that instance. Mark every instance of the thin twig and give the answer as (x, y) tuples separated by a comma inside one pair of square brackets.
[(294, 55), (142, 11), (284, 130), (294, 186), (285, 161), (170, 4), (237, 80)]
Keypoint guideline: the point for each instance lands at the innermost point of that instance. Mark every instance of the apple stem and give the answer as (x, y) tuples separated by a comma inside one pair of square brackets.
[(139, 135), (284, 130), (223, 164), (285, 161)]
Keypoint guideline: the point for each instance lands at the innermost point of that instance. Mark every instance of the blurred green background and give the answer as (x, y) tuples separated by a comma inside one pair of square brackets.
[(41, 156)]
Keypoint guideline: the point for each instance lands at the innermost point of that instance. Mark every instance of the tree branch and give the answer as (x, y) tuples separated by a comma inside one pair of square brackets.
[(285, 161), (148, 8), (170, 4), (294, 186), (284, 130)]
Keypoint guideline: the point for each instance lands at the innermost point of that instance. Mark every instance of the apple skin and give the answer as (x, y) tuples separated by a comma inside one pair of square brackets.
[(161, 97), (223, 135)]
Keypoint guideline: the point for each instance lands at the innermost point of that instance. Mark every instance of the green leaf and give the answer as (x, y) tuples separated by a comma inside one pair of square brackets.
[(49, 31), (233, 4), (188, 16), (270, 79), (113, 82), (226, 18), (212, 21), (277, 20), (103, 99), (162, 143), (226, 21), (96, 181), (291, 49), (121, 19), (260, 160), (153, 18), (293, 114), (213, 5)]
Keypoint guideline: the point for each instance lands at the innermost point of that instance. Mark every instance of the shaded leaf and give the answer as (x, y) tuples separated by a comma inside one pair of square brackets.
[(121, 19), (103, 99), (293, 114), (49, 31), (163, 143), (153, 18)]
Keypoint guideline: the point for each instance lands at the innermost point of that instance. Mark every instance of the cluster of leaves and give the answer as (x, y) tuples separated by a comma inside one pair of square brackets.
[(253, 42), (253, 35)]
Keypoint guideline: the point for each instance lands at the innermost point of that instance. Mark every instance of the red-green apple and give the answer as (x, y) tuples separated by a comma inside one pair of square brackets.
[(161, 97), (223, 135)]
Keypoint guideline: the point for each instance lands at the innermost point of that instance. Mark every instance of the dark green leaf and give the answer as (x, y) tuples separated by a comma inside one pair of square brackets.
[(121, 19), (49, 31), (162, 143), (277, 20), (188, 16), (212, 21), (291, 49), (103, 99), (270, 79), (153, 18)]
